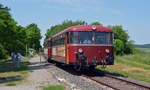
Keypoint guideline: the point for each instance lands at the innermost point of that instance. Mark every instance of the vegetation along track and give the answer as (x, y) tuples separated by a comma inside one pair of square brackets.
[(113, 81)]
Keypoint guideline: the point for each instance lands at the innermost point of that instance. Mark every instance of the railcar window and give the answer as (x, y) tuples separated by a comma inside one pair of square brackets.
[(85, 37), (60, 40), (73, 37), (111, 38), (102, 37)]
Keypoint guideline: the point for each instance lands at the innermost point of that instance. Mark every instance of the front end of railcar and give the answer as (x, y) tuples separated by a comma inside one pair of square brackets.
[(88, 55), (91, 48)]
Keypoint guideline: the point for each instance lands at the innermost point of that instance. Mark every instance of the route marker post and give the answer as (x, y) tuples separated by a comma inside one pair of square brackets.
[(40, 54)]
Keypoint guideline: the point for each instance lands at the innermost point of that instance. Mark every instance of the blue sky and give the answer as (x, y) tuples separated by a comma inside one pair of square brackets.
[(133, 15)]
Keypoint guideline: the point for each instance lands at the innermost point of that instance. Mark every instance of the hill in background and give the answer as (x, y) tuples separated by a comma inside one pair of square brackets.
[(145, 48), (142, 46)]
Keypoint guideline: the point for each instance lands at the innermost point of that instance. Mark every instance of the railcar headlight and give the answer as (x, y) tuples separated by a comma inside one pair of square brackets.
[(94, 27), (107, 50), (80, 50)]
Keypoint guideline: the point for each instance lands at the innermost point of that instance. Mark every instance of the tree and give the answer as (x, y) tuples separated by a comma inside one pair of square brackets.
[(120, 34), (20, 40), (97, 23), (121, 37), (60, 27), (119, 47), (2, 52), (14, 37), (7, 30), (129, 49), (33, 36)]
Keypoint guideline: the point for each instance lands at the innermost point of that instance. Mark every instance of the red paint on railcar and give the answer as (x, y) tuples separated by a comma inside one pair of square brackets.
[(49, 52), (84, 28), (90, 52)]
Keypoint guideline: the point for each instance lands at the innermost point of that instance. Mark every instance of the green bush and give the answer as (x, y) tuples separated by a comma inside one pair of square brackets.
[(3, 52), (122, 43), (129, 48), (119, 47)]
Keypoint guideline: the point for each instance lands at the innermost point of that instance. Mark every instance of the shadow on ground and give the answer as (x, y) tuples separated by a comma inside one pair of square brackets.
[(10, 79), (14, 73), (7, 66), (38, 65)]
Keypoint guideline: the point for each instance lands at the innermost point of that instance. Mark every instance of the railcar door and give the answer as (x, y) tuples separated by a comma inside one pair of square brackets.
[(67, 47), (49, 49)]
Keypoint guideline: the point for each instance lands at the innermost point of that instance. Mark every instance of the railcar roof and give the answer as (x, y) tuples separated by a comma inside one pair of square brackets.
[(84, 28), (89, 28)]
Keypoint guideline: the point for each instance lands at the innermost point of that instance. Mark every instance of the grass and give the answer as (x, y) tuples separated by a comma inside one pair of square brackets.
[(10, 75), (134, 66), (54, 87), (11, 84), (144, 50)]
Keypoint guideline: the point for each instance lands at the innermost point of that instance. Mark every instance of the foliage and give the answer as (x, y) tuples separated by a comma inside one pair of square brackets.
[(33, 36), (19, 40), (97, 23), (14, 37), (119, 47), (122, 35), (60, 27), (7, 28), (129, 49), (2, 52)]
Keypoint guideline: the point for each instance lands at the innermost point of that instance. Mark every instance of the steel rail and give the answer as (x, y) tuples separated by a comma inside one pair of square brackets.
[(136, 84), (100, 82)]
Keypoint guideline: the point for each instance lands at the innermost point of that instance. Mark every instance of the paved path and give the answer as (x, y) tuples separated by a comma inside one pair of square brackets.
[(36, 79)]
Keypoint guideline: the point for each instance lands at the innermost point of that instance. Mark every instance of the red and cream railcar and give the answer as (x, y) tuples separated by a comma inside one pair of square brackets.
[(85, 45), (47, 48)]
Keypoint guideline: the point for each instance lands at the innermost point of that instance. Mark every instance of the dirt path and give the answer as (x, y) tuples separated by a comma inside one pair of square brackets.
[(36, 79)]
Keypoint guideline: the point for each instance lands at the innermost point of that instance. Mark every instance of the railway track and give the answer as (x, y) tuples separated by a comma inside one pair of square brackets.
[(115, 82), (108, 80)]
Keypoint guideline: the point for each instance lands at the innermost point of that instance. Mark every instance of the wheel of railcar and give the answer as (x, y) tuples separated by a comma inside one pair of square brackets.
[(58, 63), (92, 67), (77, 68), (50, 60)]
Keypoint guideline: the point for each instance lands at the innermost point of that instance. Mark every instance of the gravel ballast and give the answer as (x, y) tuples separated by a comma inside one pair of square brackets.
[(75, 82)]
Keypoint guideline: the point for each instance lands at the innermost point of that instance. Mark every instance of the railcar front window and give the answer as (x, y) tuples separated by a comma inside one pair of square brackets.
[(111, 38), (73, 37), (85, 37), (103, 38)]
